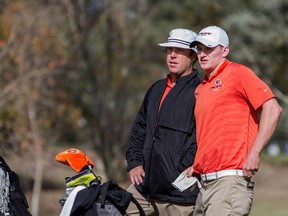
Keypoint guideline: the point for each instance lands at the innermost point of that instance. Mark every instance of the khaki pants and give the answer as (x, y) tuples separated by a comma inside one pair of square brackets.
[(154, 207), (227, 196)]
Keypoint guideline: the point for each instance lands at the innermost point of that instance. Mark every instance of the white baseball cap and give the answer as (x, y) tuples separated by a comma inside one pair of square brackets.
[(212, 36), (180, 38)]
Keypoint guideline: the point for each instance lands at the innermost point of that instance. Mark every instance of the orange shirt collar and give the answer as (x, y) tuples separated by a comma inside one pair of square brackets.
[(220, 69), (169, 82)]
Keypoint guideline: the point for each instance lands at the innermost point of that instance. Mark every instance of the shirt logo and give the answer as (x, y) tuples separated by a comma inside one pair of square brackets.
[(218, 82), (218, 85)]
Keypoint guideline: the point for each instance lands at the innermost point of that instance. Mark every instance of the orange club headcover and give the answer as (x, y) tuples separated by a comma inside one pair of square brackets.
[(74, 158)]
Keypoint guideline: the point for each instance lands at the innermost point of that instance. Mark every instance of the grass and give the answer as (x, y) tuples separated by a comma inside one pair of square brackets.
[(281, 160), (271, 190), (270, 208)]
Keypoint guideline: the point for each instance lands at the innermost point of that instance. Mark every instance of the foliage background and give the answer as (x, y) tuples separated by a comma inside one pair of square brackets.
[(73, 73)]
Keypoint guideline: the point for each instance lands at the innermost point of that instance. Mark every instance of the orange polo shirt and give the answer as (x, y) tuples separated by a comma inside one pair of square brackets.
[(226, 117), (169, 86)]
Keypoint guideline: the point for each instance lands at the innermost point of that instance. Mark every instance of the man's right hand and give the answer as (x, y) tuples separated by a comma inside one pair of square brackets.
[(136, 175), (190, 171)]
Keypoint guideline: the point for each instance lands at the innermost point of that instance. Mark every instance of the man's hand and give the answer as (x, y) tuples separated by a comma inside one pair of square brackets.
[(251, 164), (136, 175), (190, 171), (270, 114)]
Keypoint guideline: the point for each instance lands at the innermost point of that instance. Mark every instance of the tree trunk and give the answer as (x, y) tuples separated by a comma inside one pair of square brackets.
[(38, 160)]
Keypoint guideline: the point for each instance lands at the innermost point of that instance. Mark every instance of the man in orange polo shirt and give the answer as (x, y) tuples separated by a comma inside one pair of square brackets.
[(229, 136)]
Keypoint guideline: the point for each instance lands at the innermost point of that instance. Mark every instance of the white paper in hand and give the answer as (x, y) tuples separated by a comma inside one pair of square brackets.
[(183, 182)]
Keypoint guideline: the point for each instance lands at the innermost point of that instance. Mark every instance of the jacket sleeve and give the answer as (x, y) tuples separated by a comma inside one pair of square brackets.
[(134, 154)]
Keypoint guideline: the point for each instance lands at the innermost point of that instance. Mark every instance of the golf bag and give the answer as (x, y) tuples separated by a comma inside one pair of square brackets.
[(12, 199), (86, 195), (107, 199)]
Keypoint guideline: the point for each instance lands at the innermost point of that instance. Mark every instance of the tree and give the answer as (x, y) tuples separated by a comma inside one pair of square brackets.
[(258, 39), (25, 83), (74, 72)]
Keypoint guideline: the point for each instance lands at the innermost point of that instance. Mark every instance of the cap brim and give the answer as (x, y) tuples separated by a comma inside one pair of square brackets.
[(163, 46), (205, 42)]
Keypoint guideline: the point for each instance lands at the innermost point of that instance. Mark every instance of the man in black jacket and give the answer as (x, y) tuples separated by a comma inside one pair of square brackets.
[(163, 140)]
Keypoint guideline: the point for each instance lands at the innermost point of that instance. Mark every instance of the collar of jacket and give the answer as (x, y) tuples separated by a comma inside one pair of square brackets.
[(186, 78)]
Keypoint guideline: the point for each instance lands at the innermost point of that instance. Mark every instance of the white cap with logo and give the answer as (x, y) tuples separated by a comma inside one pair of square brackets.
[(212, 36)]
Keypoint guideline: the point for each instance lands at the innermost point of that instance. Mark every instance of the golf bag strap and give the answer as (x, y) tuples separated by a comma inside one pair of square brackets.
[(141, 211), (103, 192), (20, 209)]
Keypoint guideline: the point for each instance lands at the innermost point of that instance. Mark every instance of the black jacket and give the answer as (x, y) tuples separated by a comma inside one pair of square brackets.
[(165, 142)]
